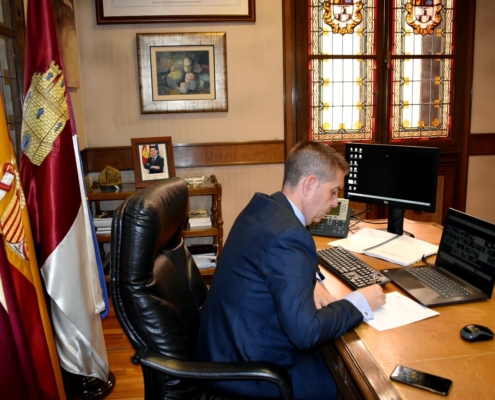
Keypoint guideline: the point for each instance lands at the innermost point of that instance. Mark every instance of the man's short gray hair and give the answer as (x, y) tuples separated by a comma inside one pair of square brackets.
[(313, 158)]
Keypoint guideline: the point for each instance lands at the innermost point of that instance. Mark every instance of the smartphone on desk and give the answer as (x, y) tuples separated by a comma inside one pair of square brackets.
[(422, 380)]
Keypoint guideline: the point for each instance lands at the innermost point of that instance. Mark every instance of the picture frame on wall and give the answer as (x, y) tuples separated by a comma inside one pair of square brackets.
[(145, 11), (182, 72), (153, 160)]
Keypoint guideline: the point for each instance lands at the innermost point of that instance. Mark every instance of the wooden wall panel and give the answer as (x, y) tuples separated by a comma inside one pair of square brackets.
[(191, 155), (482, 144)]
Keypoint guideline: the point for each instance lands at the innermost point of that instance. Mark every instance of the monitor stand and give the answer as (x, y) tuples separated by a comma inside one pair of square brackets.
[(396, 221)]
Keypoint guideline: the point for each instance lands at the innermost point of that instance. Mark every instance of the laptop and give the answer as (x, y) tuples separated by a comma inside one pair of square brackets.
[(466, 255)]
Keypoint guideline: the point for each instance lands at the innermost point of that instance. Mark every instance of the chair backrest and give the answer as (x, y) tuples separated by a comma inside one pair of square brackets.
[(157, 290)]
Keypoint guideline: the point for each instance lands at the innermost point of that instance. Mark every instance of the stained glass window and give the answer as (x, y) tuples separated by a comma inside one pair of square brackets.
[(416, 58), (342, 70), (422, 68)]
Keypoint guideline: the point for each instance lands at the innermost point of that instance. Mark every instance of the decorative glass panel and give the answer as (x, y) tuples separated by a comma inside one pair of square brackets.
[(422, 69), (342, 99), (349, 29), (342, 69)]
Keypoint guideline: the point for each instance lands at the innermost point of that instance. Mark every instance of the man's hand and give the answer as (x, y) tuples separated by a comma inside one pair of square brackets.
[(374, 295), (322, 296)]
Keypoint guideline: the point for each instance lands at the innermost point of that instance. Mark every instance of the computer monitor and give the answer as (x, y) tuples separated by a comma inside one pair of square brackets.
[(400, 177)]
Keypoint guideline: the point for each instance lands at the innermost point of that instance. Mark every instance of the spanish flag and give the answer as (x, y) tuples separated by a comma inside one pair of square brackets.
[(145, 153), (30, 366)]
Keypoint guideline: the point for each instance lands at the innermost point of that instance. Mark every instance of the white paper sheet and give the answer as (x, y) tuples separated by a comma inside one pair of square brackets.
[(398, 311)]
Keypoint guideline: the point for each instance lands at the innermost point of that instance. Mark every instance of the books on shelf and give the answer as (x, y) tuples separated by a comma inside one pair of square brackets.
[(199, 219), (204, 255), (105, 230), (103, 219), (206, 260)]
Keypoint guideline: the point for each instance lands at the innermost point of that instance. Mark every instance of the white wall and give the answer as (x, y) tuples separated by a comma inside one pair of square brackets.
[(481, 171), (110, 89), (107, 106)]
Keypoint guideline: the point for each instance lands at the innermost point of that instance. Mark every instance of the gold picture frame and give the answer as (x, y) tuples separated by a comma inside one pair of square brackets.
[(182, 72), (149, 11), (148, 171)]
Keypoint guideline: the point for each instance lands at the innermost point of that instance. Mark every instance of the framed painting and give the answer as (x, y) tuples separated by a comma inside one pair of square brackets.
[(153, 160), (182, 72), (143, 11)]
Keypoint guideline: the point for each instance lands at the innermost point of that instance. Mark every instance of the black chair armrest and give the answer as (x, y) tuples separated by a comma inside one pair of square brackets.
[(233, 371)]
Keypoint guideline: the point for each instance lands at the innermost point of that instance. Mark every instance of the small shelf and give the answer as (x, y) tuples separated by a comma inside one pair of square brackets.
[(103, 238), (210, 188)]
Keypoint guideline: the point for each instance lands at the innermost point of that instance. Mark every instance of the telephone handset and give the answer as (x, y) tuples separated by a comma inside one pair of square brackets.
[(335, 223)]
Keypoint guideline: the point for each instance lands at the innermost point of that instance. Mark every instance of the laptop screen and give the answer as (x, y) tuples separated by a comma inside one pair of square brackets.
[(467, 249)]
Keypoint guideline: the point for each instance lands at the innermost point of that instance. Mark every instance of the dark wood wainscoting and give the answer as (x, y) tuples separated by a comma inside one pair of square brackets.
[(191, 155), (482, 144)]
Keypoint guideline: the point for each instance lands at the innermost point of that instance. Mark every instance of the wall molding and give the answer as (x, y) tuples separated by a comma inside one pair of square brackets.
[(482, 144), (190, 155)]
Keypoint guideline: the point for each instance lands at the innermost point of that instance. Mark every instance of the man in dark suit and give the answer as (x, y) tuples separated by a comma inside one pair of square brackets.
[(265, 302), (155, 162)]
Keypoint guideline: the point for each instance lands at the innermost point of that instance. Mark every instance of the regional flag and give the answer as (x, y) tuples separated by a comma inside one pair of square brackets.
[(30, 367), (55, 196)]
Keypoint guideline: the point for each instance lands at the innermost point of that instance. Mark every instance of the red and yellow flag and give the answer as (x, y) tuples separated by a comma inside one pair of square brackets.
[(145, 153), (30, 366)]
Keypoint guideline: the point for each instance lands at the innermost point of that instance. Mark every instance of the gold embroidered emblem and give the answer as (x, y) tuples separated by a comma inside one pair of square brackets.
[(45, 114)]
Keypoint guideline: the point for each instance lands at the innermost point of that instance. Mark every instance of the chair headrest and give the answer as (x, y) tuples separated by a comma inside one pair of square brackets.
[(157, 215)]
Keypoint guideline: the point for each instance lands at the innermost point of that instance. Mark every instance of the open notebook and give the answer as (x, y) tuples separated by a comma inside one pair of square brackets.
[(466, 256), (399, 249)]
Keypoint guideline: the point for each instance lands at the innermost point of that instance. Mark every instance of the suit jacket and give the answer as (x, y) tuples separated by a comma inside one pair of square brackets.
[(159, 162), (261, 302)]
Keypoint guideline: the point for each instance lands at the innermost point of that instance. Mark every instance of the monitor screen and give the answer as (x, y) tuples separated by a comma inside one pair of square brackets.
[(401, 177)]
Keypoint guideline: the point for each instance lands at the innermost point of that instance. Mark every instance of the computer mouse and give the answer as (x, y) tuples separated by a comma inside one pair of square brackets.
[(476, 333)]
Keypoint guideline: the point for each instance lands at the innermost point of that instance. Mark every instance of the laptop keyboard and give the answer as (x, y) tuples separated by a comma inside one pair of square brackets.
[(444, 286), (352, 270)]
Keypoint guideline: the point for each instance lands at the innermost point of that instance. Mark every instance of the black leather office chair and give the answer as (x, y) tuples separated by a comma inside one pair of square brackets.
[(158, 294)]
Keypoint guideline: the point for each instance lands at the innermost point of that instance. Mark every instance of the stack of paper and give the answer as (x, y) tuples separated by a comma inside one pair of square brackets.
[(103, 222), (399, 249), (200, 222), (199, 219), (205, 260)]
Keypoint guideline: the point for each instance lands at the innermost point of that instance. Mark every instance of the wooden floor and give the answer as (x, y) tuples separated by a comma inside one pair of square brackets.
[(128, 377)]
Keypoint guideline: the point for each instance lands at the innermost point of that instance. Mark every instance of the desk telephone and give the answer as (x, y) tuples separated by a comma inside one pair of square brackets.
[(335, 223)]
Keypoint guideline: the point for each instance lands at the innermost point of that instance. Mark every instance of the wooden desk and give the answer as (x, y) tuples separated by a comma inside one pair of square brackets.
[(362, 360)]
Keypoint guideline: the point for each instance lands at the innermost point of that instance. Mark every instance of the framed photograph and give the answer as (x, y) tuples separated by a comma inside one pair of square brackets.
[(182, 72), (153, 160), (142, 11)]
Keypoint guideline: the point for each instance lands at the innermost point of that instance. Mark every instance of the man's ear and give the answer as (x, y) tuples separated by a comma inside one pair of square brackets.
[(309, 183)]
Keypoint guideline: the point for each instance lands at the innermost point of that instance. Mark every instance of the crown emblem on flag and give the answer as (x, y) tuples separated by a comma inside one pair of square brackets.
[(45, 114)]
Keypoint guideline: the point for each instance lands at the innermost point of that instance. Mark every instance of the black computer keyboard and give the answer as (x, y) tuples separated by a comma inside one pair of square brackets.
[(353, 271), (444, 286)]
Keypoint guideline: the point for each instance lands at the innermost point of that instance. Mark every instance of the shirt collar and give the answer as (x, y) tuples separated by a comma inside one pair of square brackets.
[(298, 212)]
